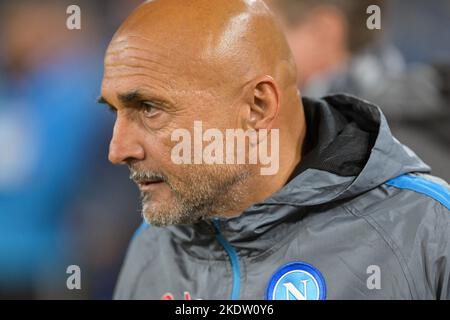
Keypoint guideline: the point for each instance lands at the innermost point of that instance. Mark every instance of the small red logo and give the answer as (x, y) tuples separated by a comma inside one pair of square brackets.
[(169, 296)]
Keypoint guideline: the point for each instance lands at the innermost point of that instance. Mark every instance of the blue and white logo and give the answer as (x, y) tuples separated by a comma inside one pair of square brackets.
[(296, 281)]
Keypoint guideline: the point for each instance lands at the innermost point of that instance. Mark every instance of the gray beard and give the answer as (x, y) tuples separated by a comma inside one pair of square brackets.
[(207, 201)]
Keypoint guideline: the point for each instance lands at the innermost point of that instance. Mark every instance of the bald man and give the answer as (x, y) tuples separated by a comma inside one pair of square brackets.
[(345, 211)]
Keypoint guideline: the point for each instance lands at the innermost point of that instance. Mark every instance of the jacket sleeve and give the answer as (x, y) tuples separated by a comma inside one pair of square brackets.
[(430, 258), (440, 262)]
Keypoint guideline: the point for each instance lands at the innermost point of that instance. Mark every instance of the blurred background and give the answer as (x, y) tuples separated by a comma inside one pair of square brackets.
[(62, 203)]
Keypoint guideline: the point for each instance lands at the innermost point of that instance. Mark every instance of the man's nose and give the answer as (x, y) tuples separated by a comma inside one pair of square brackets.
[(124, 145)]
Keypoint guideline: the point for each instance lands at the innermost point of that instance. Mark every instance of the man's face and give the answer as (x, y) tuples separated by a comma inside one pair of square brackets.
[(154, 92)]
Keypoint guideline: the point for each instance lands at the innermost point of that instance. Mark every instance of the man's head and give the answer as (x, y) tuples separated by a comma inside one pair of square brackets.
[(224, 63)]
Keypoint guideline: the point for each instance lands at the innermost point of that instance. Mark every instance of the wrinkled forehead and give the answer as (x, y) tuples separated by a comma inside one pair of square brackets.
[(135, 50), (166, 66), (134, 60)]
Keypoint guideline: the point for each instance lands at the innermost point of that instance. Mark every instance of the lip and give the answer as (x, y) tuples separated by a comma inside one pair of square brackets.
[(148, 186)]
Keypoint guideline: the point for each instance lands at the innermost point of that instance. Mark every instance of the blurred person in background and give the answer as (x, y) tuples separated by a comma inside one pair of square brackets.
[(336, 52), (54, 175)]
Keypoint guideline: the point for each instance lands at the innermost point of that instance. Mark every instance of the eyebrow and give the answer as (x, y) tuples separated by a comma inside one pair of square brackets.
[(125, 98), (131, 96)]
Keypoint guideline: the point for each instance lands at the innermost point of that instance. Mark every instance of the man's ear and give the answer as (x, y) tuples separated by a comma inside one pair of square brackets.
[(264, 103)]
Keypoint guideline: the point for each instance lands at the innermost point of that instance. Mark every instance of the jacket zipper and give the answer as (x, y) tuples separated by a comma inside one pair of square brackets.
[(234, 259)]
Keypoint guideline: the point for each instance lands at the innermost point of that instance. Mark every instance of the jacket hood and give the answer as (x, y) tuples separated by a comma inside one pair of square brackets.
[(355, 152), (349, 150)]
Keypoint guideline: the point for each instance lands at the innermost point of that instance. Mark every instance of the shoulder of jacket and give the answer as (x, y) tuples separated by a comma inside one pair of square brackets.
[(424, 185), (409, 195), (411, 213)]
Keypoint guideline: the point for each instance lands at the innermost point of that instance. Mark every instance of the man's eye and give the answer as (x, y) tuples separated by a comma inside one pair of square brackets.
[(149, 109)]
